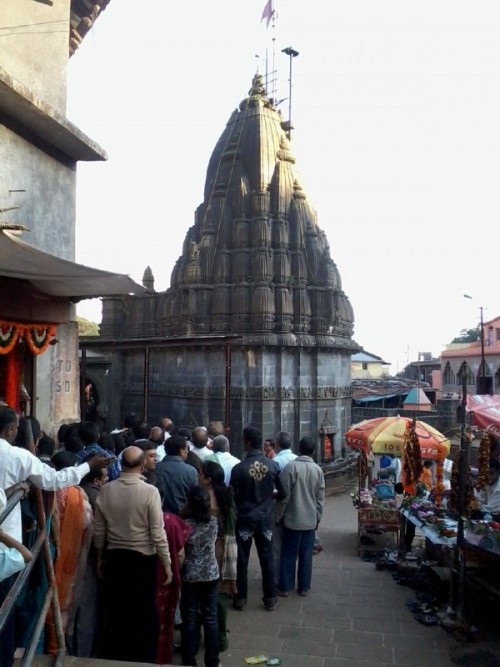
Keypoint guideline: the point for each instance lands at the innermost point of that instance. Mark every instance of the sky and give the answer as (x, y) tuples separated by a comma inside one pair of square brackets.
[(396, 114)]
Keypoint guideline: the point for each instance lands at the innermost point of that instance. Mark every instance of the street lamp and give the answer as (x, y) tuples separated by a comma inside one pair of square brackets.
[(481, 385), (291, 53)]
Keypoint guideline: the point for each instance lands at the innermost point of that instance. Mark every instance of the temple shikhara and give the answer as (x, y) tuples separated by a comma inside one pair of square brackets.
[(255, 327)]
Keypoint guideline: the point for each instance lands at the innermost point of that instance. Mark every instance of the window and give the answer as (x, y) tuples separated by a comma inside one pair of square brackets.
[(365, 366)]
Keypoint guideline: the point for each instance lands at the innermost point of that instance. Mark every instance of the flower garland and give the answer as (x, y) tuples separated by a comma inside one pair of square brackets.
[(484, 478), (37, 337), (9, 333), (455, 487), (362, 468), (439, 488), (412, 459)]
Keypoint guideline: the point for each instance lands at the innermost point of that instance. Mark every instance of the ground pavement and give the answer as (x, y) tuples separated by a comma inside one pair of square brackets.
[(353, 616)]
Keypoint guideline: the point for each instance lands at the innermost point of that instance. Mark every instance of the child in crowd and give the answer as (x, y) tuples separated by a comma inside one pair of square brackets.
[(200, 578), (13, 555)]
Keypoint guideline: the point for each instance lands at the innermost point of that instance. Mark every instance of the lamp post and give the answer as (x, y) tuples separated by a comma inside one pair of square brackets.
[(481, 384), (291, 53)]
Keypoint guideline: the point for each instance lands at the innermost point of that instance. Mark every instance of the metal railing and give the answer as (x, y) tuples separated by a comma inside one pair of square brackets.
[(40, 548)]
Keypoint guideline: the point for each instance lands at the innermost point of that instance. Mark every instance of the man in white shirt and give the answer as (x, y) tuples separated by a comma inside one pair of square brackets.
[(199, 438), (221, 455), (18, 465)]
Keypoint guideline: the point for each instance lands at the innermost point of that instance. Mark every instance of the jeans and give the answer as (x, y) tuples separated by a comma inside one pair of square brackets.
[(200, 595), (262, 533), (296, 543)]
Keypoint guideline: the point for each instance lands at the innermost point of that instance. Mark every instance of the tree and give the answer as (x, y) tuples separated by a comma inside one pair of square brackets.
[(467, 336), (86, 327)]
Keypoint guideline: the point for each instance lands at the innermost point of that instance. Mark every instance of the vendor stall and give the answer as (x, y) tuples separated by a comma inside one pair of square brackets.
[(398, 436)]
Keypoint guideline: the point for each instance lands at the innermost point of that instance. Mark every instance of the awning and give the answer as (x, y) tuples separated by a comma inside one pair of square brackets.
[(59, 277)]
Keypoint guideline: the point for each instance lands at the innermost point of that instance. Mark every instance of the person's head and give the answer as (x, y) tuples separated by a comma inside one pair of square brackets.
[(9, 423), (97, 478), (427, 464), (283, 440), (307, 446), (166, 424), (24, 437), (198, 504), (252, 438), (399, 488), (119, 441), (199, 437), (214, 429), (106, 441), (212, 473), (141, 431), (185, 432), (61, 432), (46, 446), (149, 448), (74, 444), (88, 432), (494, 470), (269, 446), (220, 444), (176, 446), (64, 460), (130, 420), (133, 459), (156, 435)]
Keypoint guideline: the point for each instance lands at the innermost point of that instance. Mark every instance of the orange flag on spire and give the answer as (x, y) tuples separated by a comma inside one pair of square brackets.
[(267, 13)]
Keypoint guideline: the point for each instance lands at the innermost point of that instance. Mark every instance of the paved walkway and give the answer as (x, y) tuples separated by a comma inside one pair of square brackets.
[(354, 615)]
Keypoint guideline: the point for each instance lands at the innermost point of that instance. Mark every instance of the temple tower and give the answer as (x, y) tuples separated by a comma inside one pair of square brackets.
[(254, 265)]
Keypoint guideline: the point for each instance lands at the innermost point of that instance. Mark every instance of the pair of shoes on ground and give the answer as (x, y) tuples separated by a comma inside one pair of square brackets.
[(286, 594)]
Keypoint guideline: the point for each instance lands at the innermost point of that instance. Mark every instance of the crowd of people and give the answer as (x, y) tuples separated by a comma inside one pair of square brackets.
[(151, 529)]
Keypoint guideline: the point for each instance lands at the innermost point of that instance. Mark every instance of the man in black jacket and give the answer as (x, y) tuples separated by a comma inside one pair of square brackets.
[(254, 481)]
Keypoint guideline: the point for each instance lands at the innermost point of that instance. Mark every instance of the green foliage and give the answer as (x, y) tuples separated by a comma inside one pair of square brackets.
[(467, 336), (86, 327)]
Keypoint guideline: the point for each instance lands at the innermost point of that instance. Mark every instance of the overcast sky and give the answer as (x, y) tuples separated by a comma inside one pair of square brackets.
[(396, 108)]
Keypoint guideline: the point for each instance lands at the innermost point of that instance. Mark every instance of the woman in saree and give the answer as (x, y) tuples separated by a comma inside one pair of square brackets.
[(167, 597), (75, 526)]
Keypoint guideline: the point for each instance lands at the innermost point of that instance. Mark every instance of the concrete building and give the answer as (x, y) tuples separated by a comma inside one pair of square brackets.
[(483, 363), (39, 152), (368, 366), (255, 327)]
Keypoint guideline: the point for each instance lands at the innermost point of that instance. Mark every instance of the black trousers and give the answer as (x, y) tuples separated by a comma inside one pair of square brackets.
[(262, 533), (131, 618)]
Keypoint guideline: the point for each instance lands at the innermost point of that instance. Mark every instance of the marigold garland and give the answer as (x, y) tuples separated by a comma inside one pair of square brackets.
[(362, 468), (9, 333), (412, 459), (37, 337), (455, 487), (439, 488), (484, 479)]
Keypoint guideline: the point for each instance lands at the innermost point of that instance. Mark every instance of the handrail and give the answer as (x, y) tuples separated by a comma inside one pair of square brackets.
[(11, 503), (51, 598)]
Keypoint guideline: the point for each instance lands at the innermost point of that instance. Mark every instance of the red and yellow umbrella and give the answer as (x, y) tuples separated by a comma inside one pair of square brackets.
[(385, 435)]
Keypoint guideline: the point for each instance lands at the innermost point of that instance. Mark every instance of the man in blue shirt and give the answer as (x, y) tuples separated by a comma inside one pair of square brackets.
[(174, 477), (89, 434)]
